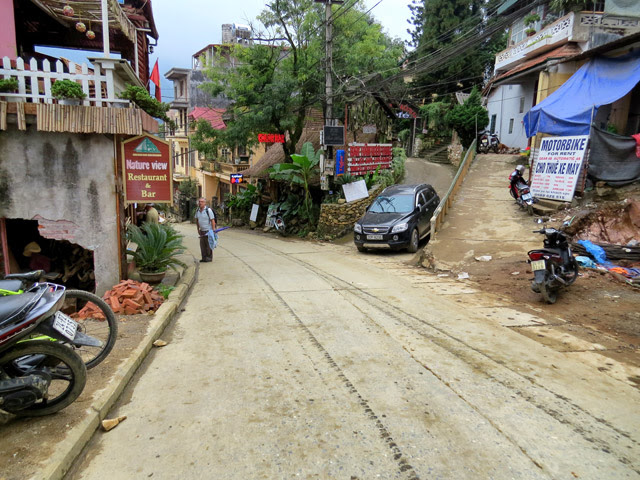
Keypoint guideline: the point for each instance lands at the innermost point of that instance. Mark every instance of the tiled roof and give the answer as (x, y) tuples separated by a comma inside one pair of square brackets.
[(211, 115)]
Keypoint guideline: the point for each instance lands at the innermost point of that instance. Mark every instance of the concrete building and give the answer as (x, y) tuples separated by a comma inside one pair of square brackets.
[(544, 51), (61, 170), (236, 33)]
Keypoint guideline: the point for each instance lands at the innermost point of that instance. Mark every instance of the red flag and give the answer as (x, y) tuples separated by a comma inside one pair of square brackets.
[(155, 79)]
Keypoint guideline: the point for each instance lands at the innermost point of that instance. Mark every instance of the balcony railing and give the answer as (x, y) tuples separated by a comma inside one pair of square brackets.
[(101, 83)]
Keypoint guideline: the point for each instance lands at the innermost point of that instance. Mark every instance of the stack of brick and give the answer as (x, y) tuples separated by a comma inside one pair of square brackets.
[(127, 298)]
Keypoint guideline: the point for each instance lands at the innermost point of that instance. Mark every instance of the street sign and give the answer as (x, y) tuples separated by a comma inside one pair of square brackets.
[(340, 162), (236, 178), (333, 135)]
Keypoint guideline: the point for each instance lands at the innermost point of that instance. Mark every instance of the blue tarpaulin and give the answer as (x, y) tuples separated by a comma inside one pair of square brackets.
[(570, 109)]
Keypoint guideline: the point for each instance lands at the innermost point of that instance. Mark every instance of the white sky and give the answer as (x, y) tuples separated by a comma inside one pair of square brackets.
[(187, 26)]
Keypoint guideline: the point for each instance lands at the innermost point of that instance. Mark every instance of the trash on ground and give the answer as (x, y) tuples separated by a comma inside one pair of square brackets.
[(160, 343), (111, 423), (484, 258), (515, 273), (463, 276)]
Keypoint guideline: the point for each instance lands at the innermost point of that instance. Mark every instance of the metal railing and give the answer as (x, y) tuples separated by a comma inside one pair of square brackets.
[(445, 203)]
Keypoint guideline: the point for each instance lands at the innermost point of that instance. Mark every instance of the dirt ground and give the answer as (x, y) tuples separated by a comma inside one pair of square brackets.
[(24, 442)]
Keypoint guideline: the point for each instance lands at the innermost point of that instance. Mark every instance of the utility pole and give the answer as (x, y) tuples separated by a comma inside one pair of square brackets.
[(328, 62)]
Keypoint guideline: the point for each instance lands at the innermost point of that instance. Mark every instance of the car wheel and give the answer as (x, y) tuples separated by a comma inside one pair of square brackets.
[(415, 240), (361, 248)]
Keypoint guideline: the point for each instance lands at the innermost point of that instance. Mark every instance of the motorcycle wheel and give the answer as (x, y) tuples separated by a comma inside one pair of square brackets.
[(550, 295), (65, 368), (104, 329), (279, 224), (572, 274)]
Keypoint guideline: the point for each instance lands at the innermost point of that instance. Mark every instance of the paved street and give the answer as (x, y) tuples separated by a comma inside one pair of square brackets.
[(301, 360)]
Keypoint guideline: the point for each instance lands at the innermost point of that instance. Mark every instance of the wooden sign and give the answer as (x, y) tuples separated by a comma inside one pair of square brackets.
[(147, 170)]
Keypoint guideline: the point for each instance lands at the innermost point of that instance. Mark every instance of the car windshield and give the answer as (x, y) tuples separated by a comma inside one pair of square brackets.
[(393, 204)]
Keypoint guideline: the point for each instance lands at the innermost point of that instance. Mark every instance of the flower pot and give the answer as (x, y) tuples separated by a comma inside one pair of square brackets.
[(152, 278), (69, 101)]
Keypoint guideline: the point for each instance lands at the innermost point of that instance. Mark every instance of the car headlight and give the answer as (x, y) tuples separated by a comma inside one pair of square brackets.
[(401, 227), (357, 228)]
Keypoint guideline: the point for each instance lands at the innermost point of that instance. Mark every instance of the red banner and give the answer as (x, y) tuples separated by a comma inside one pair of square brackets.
[(270, 138), (147, 170)]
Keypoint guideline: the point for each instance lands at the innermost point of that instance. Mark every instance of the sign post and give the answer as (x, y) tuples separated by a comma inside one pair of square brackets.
[(558, 166), (147, 170)]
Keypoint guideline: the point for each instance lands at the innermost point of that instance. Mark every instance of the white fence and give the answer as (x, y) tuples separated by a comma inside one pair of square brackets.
[(34, 82)]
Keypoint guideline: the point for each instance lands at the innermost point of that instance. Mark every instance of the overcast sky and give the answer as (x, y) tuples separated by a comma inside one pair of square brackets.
[(189, 25)]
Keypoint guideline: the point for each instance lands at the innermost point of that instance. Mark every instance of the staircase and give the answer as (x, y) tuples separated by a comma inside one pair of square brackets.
[(436, 154), (546, 207)]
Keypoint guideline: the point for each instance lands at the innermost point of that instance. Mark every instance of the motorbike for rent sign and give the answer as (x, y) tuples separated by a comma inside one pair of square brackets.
[(147, 170), (557, 167)]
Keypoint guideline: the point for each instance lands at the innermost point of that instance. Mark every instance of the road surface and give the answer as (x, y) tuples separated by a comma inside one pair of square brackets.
[(305, 360)]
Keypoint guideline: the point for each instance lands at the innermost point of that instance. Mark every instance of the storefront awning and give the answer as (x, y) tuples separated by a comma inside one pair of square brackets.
[(571, 109)]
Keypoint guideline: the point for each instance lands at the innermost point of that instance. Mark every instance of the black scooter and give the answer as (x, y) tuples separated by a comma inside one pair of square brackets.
[(553, 266), (520, 191), (488, 141), (38, 375)]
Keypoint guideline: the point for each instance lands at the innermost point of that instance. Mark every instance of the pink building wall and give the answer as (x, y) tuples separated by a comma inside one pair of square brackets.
[(7, 30)]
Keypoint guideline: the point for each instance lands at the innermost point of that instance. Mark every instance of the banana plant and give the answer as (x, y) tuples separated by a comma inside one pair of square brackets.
[(299, 172)]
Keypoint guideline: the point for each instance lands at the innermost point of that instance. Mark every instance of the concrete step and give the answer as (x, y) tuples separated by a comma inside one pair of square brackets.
[(542, 210), (552, 204)]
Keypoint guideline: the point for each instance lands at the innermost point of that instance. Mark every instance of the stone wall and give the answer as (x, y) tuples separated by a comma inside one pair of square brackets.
[(337, 219), (65, 182)]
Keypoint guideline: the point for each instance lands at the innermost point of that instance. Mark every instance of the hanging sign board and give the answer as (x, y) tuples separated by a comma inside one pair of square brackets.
[(340, 162), (270, 138), (557, 167), (147, 170), (333, 136), (236, 178), (369, 157)]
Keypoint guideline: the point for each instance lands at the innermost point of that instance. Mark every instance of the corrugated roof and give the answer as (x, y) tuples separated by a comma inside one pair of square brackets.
[(211, 115)]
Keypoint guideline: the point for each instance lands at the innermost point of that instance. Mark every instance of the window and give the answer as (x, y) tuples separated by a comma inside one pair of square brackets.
[(518, 29), (511, 125), (492, 128), (521, 104)]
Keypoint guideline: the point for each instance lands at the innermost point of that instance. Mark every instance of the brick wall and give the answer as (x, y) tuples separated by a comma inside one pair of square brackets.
[(57, 229)]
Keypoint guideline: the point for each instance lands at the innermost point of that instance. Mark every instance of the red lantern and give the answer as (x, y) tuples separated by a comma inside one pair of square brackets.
[(68, 11), (91, 34), (81, 27)]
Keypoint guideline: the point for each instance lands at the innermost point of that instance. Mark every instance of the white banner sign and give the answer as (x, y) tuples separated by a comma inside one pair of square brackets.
[(355, 190), (557, 167), (254, 212)]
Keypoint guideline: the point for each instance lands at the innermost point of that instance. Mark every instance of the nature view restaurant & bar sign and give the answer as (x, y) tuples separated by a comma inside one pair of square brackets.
[(147, 170)]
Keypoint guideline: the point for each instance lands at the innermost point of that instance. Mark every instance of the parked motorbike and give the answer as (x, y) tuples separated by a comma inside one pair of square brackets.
[(553, 266), (103, 328), (519, 190), (38, 377), (277, 218), (488, 141)]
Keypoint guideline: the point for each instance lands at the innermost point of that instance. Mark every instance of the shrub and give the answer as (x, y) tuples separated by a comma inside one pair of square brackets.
[(146, 102), (158, 247), (8, 85), (467, 117), (67, 89)]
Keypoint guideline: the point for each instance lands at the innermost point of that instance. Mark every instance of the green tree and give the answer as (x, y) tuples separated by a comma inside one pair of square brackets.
[(272, 86), (465, 118), (438, 26)]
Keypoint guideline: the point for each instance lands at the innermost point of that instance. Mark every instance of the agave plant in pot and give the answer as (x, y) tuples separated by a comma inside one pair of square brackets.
[(157, 250)]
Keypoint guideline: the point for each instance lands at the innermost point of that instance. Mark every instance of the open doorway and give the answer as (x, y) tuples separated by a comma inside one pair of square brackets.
[(29, 250)]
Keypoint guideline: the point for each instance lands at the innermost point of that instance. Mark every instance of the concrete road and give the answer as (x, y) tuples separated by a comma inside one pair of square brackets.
[(300, 360), (484, 219)]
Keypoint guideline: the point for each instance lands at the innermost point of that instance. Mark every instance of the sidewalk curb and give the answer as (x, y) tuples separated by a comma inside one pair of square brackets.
[(70, 448)]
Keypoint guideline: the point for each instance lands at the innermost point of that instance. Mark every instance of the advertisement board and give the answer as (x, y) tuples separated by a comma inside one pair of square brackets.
[(368, 157), (556, 169), (147, 170)]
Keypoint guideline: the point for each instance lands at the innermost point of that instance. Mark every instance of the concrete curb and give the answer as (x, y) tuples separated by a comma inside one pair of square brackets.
[(70, 448)]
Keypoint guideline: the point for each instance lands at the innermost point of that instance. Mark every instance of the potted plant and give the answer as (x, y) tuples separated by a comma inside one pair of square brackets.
[(67, 92), (9, 85), (530, 31), (146, 102), (531, 19), (157, 249)]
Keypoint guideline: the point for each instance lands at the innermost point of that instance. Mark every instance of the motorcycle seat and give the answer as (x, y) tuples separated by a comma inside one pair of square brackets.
[(13, 304), (11, 285), (27, 276)]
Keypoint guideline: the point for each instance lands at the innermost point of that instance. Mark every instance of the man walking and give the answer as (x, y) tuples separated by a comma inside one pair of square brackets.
[(205, 221)]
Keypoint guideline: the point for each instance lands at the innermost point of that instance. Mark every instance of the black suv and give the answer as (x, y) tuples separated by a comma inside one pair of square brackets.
[(398, 218)]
